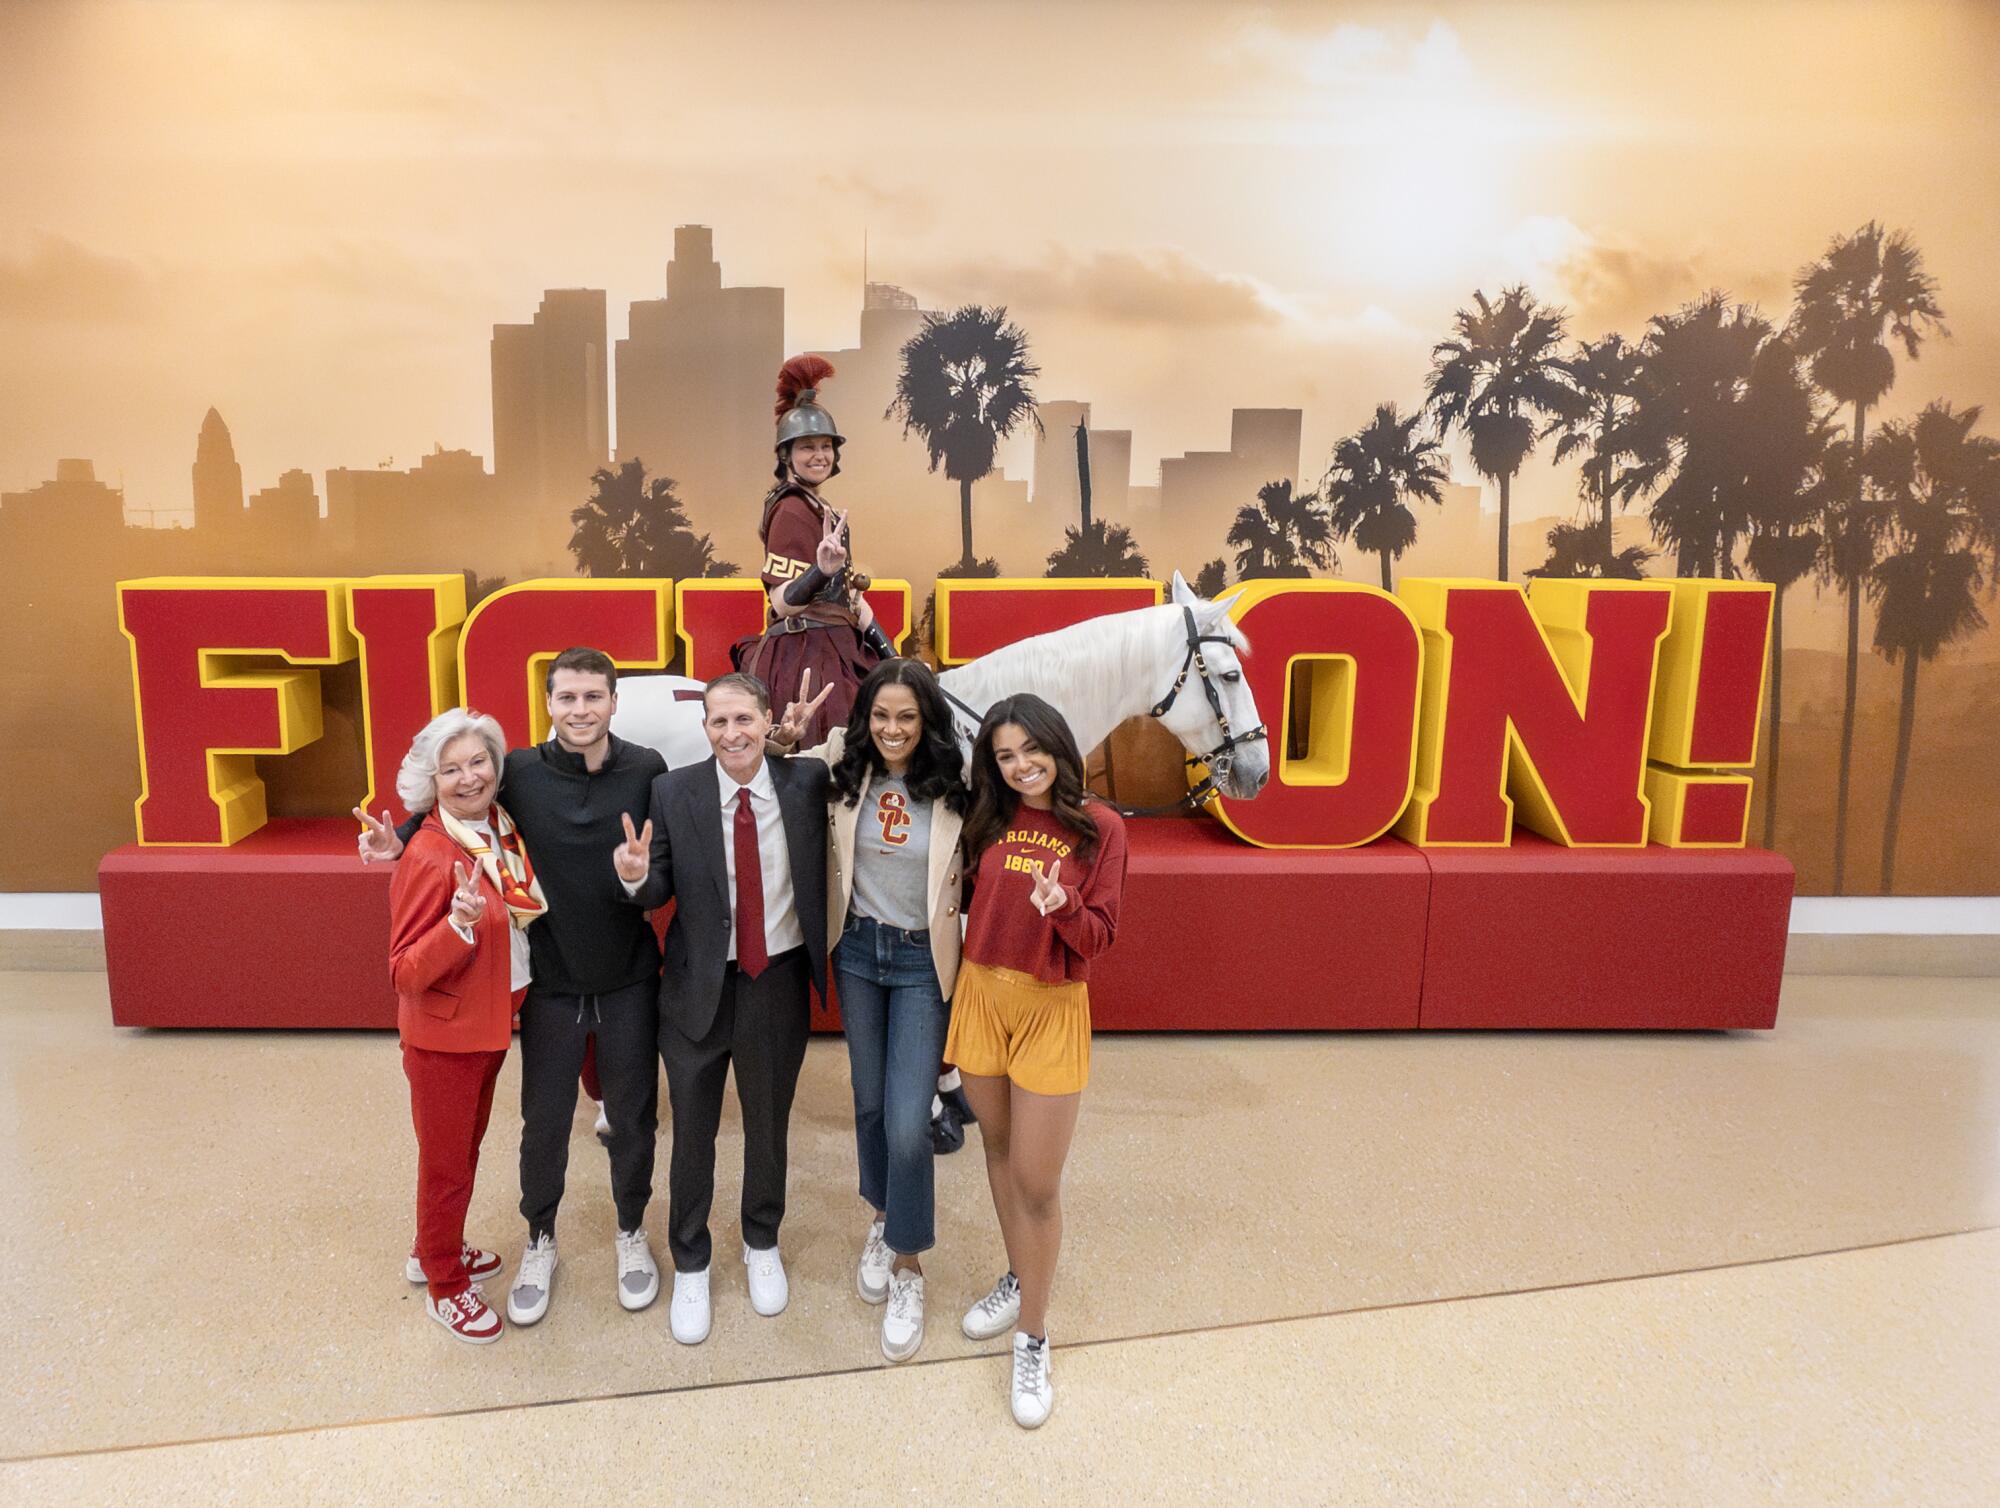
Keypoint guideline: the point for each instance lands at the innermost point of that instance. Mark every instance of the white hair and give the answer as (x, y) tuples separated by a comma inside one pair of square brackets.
[(416, 781)]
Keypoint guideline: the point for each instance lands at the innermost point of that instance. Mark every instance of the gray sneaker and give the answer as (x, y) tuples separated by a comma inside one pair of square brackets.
[(995, 1314), (871, 1276), (534, 1281), (638, 1274), (903, 1320)]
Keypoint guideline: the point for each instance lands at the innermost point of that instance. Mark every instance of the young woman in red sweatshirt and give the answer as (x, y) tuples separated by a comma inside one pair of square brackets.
[(1048, 861)]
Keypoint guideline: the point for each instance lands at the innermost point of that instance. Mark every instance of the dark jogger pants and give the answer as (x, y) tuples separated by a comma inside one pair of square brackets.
[(554, 1032)]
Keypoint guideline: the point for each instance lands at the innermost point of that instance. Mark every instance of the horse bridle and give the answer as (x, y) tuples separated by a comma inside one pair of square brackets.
[(1217, 761)]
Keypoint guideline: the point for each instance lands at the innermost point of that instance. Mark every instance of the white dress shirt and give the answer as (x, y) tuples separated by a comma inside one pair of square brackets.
[(782, 931)]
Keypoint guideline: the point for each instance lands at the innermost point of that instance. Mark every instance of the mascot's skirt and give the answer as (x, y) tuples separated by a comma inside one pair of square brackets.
[(780, 657)]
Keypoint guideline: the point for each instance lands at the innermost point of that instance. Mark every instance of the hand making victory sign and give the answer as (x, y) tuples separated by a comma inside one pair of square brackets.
[(792, 726), (467, 904), (832, 552), (633, 858), (1048, 894), (377, 841)]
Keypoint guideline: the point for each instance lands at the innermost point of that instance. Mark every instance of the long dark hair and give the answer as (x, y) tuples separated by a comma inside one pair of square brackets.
[(937, 768), (994, 801)]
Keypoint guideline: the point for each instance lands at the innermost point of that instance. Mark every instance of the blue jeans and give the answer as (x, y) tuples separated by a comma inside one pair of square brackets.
[(895, 1018)]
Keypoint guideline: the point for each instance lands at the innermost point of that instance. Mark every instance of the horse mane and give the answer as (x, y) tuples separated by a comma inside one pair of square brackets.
[(1083, 669)]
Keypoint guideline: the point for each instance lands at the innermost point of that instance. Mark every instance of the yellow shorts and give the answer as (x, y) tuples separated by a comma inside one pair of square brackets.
[(1006, 1024)]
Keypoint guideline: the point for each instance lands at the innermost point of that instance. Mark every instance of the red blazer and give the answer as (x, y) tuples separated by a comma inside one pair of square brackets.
[(449, 997)]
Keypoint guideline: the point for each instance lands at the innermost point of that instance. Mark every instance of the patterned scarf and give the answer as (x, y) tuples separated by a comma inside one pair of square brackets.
[(506, 863)]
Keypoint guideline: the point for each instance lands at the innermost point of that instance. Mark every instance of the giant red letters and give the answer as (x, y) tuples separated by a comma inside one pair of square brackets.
[(504, 653), (1596, 713), (1354, 655), (205, 705), (407, 627)]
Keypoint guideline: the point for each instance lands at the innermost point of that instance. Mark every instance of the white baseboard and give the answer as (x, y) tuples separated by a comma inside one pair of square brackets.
[(50, 911)]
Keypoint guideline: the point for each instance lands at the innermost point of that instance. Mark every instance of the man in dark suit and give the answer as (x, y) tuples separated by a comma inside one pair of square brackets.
[(739, 842)]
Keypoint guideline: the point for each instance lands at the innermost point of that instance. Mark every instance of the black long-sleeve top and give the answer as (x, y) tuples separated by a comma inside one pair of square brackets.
[(593, 940)]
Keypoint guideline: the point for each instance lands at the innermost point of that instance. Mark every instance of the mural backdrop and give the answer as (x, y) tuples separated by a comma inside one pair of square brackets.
[(1313, 289)]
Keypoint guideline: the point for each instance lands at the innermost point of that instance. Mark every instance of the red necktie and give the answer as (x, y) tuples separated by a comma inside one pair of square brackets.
[(750, 955)]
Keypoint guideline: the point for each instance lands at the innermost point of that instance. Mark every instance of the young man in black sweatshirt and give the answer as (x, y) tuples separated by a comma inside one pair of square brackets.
[(596, 970)]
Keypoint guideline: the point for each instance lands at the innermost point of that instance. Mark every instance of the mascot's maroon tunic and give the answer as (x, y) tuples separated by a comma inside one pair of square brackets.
[(825, 638)]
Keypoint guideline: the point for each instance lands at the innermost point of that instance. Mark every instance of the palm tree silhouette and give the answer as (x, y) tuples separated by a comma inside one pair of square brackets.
[(1211, 579), (1940, 485), (964, 388), (1693, 431), (1283, 534), (1098, 549), (633, 526), (1578, 550), (1373, 470), (1864, 290), (1605, 376), (1494, 378), (1794, 471)]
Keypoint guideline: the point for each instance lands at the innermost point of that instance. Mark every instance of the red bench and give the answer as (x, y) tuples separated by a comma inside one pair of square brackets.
[(287, 929)]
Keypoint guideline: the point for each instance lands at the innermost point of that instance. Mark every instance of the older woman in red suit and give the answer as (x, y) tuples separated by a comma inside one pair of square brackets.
[(458, 952), (820, 621)]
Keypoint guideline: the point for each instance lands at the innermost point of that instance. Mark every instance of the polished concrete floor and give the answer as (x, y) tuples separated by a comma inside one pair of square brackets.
[(1419, 1268)]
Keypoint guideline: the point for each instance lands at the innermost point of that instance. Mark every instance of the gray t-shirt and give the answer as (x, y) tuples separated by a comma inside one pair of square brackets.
[(892, 850)]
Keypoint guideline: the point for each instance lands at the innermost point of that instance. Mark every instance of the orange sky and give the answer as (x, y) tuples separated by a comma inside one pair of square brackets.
[(310, 215)]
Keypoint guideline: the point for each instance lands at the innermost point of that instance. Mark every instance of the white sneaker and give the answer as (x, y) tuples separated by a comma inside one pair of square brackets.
[(603, 1127), (871, 1278), (466, 1316), (769, 1290), (638, 1274), (1034, 1393), (996, 1313), (534, 1281), (688, 1314), (903, 1320)]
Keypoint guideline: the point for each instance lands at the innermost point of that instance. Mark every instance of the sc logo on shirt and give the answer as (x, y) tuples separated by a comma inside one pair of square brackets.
[(893, 813)]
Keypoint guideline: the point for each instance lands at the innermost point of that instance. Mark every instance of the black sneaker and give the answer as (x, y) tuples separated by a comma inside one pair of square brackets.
[(955, 1097), (947, 1130)]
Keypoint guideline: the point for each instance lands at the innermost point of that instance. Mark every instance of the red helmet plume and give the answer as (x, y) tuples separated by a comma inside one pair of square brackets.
[(800, 374)]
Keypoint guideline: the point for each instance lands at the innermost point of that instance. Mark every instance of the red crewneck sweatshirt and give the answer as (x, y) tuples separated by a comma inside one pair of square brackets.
[(1004, 930)]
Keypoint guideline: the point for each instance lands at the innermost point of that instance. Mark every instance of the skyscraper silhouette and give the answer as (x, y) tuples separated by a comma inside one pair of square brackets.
[(218, 480), (1055, 479), (75, 511), (550, 416), (696, 379)]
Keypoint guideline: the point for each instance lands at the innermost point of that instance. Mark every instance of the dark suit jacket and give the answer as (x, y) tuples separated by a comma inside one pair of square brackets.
[(689, 867)]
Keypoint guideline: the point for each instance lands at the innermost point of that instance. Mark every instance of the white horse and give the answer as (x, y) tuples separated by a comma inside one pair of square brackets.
[(1178, 661)]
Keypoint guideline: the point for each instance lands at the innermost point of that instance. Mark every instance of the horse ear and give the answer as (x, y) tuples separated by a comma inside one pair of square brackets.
[(1226, 601), (1181, 592)]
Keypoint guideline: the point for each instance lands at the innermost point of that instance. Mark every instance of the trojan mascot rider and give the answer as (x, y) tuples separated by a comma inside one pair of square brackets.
[(820, 621)]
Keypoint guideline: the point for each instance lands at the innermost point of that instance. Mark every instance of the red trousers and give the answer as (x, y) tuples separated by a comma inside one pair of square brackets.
[(451, 1096), (591, 1086)]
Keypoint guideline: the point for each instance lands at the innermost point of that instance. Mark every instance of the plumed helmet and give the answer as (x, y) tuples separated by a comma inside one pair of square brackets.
[(799, 411)]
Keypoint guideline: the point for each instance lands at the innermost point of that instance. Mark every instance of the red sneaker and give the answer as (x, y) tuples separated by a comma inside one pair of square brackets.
[(479, 1265), (466, 1316)]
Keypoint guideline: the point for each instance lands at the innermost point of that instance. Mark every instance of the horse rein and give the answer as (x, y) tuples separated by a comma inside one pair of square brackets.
[(1216, 761)]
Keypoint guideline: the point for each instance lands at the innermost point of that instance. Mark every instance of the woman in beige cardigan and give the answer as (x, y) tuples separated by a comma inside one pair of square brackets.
[(893, 900)]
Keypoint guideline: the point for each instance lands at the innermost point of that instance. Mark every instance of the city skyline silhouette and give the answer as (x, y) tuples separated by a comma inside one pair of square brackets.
[(391, 315)]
